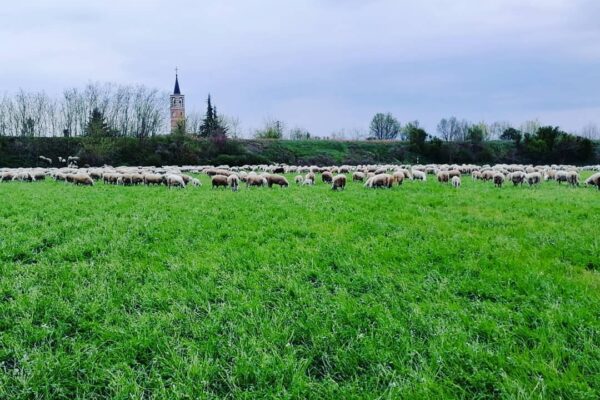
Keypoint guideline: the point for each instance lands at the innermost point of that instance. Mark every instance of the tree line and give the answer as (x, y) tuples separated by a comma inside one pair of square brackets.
[(108, 109)]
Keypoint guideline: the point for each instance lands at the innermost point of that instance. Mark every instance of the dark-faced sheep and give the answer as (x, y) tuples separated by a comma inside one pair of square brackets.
[(443, 176), (517, 178), (593, 180), (277, 180), (338, 182), (498, 179), (299, 179), (219, 181), (327, 177)]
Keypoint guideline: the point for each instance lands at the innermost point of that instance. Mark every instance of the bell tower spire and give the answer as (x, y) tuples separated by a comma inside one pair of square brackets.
[(177, 105)]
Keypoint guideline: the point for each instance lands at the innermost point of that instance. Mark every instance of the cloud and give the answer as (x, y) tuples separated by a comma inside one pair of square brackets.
[(323, 65)]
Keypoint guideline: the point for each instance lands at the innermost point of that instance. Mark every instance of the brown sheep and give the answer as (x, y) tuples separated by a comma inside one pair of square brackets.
[(327, 177), (443, 177), (498, 179), (277, 180), (453, 173), (219, 181), (256, 180), (338, 182)]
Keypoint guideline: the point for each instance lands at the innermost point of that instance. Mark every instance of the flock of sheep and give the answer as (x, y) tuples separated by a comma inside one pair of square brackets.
[(372, 176)]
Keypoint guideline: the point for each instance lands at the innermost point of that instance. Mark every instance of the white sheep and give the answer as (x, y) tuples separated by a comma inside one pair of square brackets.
[(456, 182)]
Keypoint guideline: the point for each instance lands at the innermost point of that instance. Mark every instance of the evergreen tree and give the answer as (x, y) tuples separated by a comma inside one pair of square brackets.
[(212, 125), (97, 125)]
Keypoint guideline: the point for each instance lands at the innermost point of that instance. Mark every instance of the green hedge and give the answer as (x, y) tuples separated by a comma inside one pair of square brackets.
[(181, 150)]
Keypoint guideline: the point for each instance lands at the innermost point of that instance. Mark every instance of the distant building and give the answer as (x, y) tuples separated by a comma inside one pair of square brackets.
[(177, 106)]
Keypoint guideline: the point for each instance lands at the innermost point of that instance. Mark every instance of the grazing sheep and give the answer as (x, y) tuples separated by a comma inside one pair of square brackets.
[(277, 180), (152, 179), (456, 182), (560, 176), (398, 176), (308, 182), (299, 179), (453, 173), (358, 176), (7, 176), (517, 178), (38, 175), (380, 181), (338, 182), (173, 180), (59, 176), (256, 180), (443, 177), (23, 176), (573, 178), (593, 180), (533, 178), (219, 181), (488, 175), (498, 179), (233, 181), (80, 179), (195, 182), (419, 175), (476, 175), (327, 177)]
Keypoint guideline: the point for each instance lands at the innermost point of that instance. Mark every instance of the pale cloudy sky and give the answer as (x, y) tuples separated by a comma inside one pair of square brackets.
[(322, 65)]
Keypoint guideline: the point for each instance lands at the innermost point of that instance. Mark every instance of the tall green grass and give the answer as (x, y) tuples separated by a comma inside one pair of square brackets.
[(421, 291)]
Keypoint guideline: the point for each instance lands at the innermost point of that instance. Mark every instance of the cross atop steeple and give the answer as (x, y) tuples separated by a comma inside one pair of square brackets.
[(176, 91)]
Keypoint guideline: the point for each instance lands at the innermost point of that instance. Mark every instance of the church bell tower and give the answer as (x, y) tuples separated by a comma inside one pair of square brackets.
[(177, 105)]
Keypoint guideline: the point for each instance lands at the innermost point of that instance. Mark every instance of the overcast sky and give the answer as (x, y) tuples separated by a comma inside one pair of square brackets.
[(322, 65)]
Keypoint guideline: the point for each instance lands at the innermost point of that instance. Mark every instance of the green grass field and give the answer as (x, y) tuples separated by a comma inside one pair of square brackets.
[(421, 291)]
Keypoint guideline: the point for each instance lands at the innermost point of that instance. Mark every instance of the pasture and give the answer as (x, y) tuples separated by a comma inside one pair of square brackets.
[(421, 291)]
